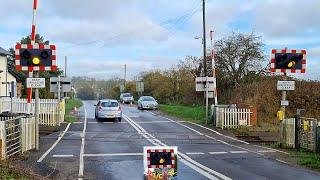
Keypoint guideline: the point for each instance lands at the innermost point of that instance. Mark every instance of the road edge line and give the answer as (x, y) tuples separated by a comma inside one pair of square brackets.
[(54, 144)]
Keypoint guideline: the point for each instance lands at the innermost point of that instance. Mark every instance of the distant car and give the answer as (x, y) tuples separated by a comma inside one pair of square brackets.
[(108, 109), (126, 98), (147, 102)]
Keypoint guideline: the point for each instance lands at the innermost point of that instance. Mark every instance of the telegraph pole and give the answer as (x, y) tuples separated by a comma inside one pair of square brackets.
[(125, 75), (204, 55)]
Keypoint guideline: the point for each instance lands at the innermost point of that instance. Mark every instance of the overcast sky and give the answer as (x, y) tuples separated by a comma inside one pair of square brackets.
[(100, 36)]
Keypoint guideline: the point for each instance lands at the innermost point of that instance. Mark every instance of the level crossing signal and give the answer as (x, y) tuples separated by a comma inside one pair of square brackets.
[(37, 57), (288, 61)]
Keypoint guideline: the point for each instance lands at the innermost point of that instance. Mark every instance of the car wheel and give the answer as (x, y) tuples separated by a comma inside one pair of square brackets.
[(119, 119), (138, 107)]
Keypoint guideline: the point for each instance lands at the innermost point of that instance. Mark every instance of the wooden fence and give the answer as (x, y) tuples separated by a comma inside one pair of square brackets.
[(51, 111), (231, 117)]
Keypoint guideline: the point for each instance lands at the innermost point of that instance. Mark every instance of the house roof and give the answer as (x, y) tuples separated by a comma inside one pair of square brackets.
[(3, 52)]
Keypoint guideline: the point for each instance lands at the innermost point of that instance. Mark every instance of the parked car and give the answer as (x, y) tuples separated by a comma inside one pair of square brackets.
[(126, 98), (108, 109), (147, 102)]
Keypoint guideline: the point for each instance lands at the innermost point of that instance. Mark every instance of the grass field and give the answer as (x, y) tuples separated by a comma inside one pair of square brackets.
[(70, 104), (307, 159), (194, 114)]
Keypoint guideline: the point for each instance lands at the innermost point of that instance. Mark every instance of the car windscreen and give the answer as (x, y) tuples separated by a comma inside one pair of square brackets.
[(126, 95), (148, 99), (109, 104)]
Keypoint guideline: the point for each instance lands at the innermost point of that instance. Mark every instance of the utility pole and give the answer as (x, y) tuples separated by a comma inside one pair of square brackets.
[(125, 75), (65, 66), (204, 55), (65, 72)]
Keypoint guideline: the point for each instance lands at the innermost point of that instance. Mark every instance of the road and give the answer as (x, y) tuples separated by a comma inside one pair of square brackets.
[(105, 150)]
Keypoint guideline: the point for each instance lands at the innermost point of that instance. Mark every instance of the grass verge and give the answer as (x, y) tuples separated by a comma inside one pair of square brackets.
[(302, 157), (194, 114), (70, 104), (10, 174)]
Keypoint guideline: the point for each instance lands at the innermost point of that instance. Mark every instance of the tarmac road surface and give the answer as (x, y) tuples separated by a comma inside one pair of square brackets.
[(114, 150)]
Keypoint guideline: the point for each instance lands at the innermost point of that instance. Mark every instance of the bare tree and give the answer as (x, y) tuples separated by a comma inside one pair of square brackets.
[(237, 55)]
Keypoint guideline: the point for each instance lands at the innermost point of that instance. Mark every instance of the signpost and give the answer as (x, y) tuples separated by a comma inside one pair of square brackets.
[(36, 83), (287, 61), (139, 87)]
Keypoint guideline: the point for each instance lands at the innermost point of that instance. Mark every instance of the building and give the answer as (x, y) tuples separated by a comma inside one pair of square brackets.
[(6, 77)]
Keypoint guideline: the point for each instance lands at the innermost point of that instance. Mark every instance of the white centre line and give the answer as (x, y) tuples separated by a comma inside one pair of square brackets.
[(195, 153), (83, 134), (54, 144), (205, 171), (222, 152), (238, 152), (113, 154), (63, 155)]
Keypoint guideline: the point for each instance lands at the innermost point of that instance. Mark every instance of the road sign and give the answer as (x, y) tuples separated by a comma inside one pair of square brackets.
[(65, 84), (35, 57), (139, 86), (286, 85), (210, 95), (36, 82), (288, 61), (160, 162), (201, 83), (285, 103)]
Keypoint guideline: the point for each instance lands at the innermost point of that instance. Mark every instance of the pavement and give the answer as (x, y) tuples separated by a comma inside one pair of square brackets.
[(89, 149)]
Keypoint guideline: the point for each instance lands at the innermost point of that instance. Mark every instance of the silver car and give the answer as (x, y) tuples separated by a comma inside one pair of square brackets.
[(147, 102), (108, 109), (126, 98)]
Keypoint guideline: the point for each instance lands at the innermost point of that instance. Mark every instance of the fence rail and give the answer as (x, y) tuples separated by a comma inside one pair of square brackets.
[(231, 117)]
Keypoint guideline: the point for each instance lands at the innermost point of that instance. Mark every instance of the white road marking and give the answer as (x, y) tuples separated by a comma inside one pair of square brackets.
[(77, 122), (81, 165), (195, 153), (219, 133), (62, 155), (54, 144), (216, 133), (222, 152), (151, 122), (184, 126), (205, 171), (282, 161), (238, 152), (271, 149), (266, 151), (113, 154)]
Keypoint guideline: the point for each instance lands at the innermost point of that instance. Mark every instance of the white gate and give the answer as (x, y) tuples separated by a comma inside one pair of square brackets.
[(17, 135), (232, 117)]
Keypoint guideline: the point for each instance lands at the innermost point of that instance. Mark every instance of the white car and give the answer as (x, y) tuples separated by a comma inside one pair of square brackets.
[(108, 109), (126, 98), (147, 102)]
